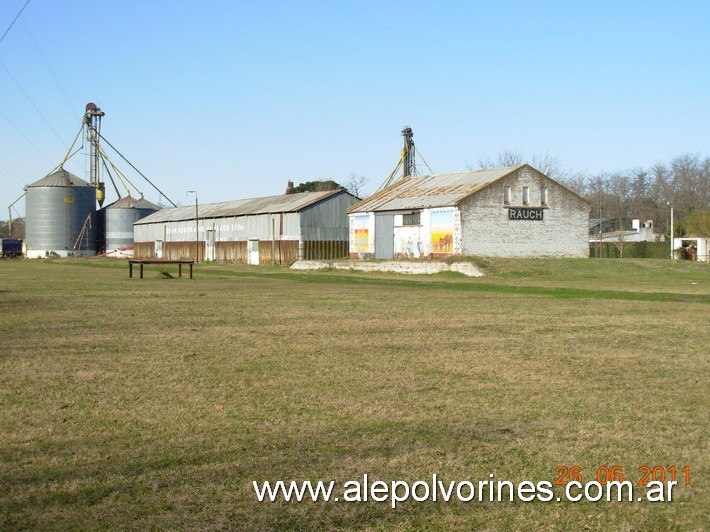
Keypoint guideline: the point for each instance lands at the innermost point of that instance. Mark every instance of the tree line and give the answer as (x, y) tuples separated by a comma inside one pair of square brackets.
[(18, 228)]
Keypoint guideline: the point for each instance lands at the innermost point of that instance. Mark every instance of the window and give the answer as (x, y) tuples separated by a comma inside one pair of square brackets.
[(526, 195), (506, 195), (411, 219), (543, 195)]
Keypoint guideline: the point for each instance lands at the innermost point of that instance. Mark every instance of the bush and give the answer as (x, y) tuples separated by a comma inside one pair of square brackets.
[(632, 250)]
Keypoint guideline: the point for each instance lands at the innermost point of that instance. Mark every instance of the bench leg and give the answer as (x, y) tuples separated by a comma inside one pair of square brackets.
[(141, 270), (130, 269), (180, 270), (190, 270)]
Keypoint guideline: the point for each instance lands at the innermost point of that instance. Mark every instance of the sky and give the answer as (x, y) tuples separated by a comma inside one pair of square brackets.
[(234, 98)]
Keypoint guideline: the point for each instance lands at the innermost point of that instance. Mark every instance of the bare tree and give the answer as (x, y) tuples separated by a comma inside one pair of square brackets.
[(690, 181), (356, 184), (577, 182), (620, 199), (547, 164), (621, 244), (698, 223)]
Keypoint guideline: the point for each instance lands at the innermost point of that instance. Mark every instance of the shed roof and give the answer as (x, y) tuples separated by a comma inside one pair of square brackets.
[(60, 178), (267, 205), (438, 190)]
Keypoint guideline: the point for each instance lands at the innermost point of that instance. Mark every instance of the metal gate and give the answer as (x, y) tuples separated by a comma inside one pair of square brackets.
[(384, 236)]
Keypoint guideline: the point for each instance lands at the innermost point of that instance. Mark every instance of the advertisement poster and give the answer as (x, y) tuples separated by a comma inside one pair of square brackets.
[(442, 232), (361, 234)]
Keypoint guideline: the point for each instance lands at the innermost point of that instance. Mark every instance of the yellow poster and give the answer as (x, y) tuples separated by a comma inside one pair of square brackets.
[(360, 234), (442, 232), (360, 241)]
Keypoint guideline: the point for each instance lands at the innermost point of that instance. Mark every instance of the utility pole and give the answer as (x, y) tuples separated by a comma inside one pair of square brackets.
[(672, 232), (197, 228)]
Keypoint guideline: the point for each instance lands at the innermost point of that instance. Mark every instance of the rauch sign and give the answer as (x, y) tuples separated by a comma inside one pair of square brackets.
[(525, 214)]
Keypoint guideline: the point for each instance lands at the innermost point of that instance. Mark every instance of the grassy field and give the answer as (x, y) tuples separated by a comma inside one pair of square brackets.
[(155, 403)]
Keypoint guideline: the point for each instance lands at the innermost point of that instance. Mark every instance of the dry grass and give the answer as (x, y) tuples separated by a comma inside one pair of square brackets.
[(155, 403)]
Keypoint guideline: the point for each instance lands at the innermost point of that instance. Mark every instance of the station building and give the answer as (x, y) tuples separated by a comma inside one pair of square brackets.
[(513, 211)]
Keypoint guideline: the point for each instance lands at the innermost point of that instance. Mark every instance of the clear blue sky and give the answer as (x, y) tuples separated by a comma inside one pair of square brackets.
[(234, 98)]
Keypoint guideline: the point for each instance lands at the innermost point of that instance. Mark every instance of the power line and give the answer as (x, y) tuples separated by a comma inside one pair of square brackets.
[(29, 99), (25, 136), (13, 174), (48, 66), (14, 20)]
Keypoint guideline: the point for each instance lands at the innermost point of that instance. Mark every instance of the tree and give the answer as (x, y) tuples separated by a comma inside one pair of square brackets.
[(315, 186), (620, 199), (356, 183), (621, 244), (547, 164), (18, 228), (698, 223), (690, 182), (641, 203)]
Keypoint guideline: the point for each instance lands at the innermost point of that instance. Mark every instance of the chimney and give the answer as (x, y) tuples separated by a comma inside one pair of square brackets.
[(289, 187)]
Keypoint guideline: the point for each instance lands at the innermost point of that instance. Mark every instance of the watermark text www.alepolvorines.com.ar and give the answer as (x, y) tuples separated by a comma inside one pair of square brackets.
[(437, 490)]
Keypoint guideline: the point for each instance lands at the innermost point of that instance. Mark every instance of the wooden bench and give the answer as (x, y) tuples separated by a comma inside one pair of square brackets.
[(141, 262)]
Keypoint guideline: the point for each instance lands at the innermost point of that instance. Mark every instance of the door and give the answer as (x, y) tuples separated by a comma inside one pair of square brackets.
[(384, 236), (158, 249), (253, 252), (209, 245)]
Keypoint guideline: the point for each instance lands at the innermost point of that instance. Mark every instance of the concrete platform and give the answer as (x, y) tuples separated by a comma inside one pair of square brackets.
[(409, 267)]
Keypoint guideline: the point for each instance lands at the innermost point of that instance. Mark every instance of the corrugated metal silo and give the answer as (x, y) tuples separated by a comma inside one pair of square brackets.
[(59, 208), (119, 218)]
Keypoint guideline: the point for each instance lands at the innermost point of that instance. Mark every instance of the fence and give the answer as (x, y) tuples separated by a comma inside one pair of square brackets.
[(270, 252), (281, 251), (170, 250), (325, 249), (144, 250)]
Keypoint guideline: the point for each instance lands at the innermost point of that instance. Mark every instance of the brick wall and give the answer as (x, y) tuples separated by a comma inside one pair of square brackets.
[(487, 231)]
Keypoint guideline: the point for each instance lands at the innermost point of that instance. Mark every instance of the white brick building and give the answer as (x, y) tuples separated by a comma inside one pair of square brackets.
[(507, 212)]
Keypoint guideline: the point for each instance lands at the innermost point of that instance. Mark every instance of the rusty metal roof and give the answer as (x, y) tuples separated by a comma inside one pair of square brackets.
[(439, 190), (268, 205), (60, 178)]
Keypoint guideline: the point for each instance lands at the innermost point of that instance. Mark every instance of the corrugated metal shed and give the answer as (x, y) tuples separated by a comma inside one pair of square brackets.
[(439, 190), (268, 205)]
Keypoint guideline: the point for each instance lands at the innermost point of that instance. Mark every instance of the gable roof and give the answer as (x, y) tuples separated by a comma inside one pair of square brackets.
[(438, 190), (266, 205)]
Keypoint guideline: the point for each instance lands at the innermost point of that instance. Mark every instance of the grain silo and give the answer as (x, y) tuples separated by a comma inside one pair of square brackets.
[(61, 216), (118, 220)]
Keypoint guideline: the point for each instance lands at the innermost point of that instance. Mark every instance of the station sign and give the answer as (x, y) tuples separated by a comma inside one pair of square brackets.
[(525, 213)]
